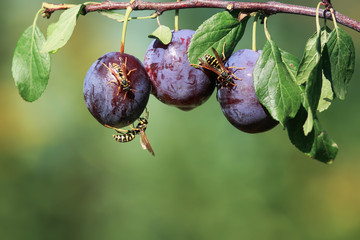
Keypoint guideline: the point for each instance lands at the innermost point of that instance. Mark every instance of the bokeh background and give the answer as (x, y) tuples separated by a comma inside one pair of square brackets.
[(62, 176)]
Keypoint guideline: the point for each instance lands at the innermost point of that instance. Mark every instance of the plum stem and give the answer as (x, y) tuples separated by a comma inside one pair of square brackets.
[(129, 9), (254, 33), (176, 27)]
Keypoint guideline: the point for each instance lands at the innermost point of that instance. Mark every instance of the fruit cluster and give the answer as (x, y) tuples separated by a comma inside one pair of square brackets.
[(117, 86), (256, 90)]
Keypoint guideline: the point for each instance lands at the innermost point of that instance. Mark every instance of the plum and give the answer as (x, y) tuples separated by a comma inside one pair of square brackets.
[(116, 89), (174, 81), (239, 103)]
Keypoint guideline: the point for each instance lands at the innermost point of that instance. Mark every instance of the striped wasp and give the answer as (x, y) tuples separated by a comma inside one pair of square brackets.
[(121, 76), (129, 135), (216, 65)]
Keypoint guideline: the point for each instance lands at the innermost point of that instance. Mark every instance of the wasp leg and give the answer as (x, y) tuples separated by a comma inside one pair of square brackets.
[(106, 67), (131, 71), (234, 83), (236, 77), (116, 81), (196, 65), (111, 71), (239, 68), (117, 129), (231, 83), (124, 64), (112, 81), (132, 127), (124, 96), (222, 85), (146, 113)]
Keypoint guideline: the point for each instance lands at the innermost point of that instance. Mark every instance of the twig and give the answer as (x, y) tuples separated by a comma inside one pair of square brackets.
[(269, 8)]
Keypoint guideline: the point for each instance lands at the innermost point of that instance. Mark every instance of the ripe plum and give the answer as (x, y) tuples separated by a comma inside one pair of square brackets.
[(239, 103), (174, 81), (110, 102)]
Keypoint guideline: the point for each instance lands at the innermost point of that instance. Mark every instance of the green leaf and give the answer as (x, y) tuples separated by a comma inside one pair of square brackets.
[(49, 31), (325, 32), (310, 60), (222, 28), (310, 72), (62, 30), (30, 68), (314, 81), (317, 144), (163, 33), (274, 85), (341, 53), (291, 62), (326, 96), (113, 15), (309, 123)]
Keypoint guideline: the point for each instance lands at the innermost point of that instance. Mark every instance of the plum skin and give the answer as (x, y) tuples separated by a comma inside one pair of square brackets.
[(174, 81), (105, 103), (239, 103)]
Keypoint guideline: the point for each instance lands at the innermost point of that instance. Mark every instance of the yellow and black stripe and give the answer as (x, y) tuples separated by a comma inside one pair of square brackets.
[(117, 68), (127, 137), (143, 122), (212, 61)]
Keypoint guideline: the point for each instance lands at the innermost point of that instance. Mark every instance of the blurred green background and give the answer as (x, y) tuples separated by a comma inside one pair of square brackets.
[(62, 176)]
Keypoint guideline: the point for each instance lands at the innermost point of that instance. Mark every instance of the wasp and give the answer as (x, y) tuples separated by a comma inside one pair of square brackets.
[(121, 76), (216, 65), (129, 135)]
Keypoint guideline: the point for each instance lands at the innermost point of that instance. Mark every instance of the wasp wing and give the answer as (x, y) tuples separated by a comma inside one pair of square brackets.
[(145, 142), (219, 59), (207, 66)]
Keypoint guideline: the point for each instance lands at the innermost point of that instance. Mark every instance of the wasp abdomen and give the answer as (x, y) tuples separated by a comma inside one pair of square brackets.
[(127, 137), (117, 68), (212, 61)]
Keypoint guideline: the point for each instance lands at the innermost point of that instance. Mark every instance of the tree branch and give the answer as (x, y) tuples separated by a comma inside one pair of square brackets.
[(270, 8)]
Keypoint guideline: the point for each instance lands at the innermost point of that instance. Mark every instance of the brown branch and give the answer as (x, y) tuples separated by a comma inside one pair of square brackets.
[(270, 8)]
